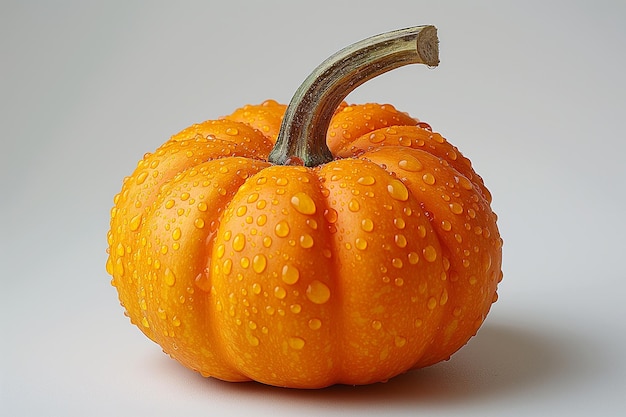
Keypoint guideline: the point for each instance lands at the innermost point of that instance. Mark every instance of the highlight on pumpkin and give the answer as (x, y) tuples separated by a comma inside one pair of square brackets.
[(383, 259)]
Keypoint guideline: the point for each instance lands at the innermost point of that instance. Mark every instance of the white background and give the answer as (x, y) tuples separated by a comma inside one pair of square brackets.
[(533, 92)]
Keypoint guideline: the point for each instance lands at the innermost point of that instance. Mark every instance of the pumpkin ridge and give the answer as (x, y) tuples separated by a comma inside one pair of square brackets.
[(356, 120), (416, 137), (449, 216), (244, 136), (265, 118), (376, 274), (180, 221)]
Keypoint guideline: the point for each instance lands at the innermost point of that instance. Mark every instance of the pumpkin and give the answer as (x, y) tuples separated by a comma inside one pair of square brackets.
[(312, 244)]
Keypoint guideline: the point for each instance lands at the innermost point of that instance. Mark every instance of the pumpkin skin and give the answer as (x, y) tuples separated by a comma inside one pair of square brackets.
[(383, 260)]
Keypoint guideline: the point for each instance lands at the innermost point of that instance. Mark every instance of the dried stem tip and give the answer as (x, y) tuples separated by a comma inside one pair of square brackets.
[(303, 130)]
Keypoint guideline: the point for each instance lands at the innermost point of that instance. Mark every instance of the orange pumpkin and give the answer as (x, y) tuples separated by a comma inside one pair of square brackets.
[(362, 247)]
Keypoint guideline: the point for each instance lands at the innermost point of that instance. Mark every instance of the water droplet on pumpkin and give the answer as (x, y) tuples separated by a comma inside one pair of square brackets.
[(253, 340), (315, 324), (465, 183), (239, 242), (176, 234), (430, 253), (170, 278), (227, 266), (367, 180), (280, 293), (318, 292), (405, 141), (428, 178), (282, 181), (444, 298), (432, 303), (400, 341), (330, 215), (354, 205), (290, 274), (261, 220), (110, 269), (303, 203), (119, 249), (141, 178), (360, 243), (413, 258), (296, 343), (221, 249), (377, 137), (397, 263), (199, 223), (367, 225), (256, 288), (410, 164), (119, 268), (202, 280), (397, 190), (232, 131), (400, 241), (282, 229), (295, 308), (456, 208), (399, 223), (306, 241), (259, 263), (261, 204), (135, 222), (376, 325)]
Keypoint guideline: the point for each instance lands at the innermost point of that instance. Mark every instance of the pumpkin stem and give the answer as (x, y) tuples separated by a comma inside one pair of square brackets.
[(302, 136)]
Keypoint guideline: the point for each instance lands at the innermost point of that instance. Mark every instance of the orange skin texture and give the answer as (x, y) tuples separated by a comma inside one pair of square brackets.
[(384, 260)]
